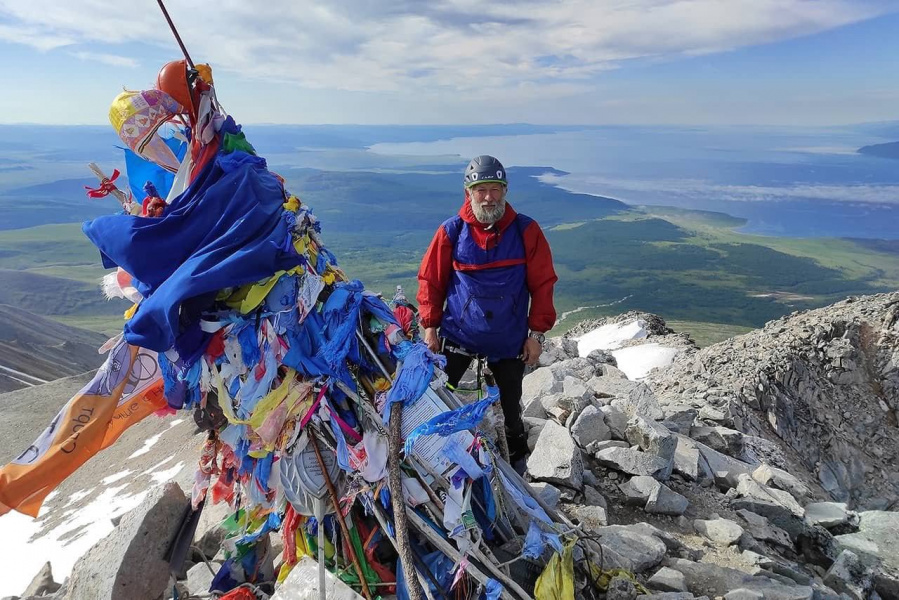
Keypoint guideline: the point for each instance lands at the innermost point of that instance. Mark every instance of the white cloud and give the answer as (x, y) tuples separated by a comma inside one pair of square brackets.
[(401, 45), (107, 59)]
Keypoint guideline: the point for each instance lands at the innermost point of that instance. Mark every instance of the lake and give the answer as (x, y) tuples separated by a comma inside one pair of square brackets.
[(797, 182)]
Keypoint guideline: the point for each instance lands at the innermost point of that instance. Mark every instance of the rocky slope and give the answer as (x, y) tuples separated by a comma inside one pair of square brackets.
[(823, 385), (745, 470), (35, 349)]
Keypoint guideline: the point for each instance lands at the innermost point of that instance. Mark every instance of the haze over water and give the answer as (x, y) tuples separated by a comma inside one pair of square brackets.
[(796, 182)]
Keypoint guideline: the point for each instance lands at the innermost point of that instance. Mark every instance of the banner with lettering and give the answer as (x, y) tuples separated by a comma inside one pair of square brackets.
[(127, 388)]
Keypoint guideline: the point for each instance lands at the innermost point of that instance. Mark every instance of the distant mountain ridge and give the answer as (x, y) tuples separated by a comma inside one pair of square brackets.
[(888, 150), (35, 349)]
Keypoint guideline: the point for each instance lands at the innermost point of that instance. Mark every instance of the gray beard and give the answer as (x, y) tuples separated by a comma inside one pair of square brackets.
[(488, 216)]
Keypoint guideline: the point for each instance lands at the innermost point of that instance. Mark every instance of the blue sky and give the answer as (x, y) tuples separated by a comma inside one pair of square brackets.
[(782, 62)]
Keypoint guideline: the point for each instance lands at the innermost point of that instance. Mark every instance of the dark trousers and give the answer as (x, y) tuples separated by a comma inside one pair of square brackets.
[(508, 373)]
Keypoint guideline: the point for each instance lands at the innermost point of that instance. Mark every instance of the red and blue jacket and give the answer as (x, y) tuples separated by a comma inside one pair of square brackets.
[(485, 286)]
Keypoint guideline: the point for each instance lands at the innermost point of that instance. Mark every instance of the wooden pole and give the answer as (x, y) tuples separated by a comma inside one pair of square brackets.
[(343, 528)]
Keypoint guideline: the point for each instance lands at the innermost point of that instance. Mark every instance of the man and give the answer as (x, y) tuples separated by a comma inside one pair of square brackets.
[(487, 282)]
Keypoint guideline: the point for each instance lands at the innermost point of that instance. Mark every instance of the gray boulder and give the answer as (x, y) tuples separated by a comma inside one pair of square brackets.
[(590, 427), (602, 357), (714, 580), (42, 584), (654, 439), (765, 501), (761, 529), (637, 490), (827, 514), (633, 462), (780, 479), (721, 439), (686, 458), (665, 501), (878, 532), (621, 588), (107, 571), (630, 549), (199, 578), (850, 576), (556, 458), (667, 580), (640, 401), (720, 531), (547, 492), (591, 517), (616, 421)]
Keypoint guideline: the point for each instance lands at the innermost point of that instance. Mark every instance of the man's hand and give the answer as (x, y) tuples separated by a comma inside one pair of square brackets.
[(431, 339), (531, 352)]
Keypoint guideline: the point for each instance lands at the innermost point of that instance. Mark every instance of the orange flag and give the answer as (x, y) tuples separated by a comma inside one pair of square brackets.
[(127, 388)]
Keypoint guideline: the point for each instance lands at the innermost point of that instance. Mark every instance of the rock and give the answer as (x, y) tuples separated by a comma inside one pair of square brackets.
[(849, 576), (199, 578), (724, 469), (765, 501), (665, 501), (597, 446), (681, 414), (541, 382), (612, 372), (637, 490), (578, 367), (629, 549), (628, 460), (759, 528), (591, 517), (621, 588), (616, 422), (714, 580), (590, 427), (640, 401), (302, 584), (602, 357), (671, 596), (556, 458), (655, 439), (875, 539), (672, 544), (42, 584), (686, 458), (720, 439), (593, 497), (743, 594), (108, 572), (667, 580), (547, 492), (780, 479), (209, 535), (720, 531), (533, 408), (827, 514)]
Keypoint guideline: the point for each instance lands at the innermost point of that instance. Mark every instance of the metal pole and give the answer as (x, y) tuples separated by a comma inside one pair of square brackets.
[(168, 19)]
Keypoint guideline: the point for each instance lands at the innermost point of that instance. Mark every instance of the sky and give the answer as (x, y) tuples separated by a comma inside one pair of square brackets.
[(776, 62)]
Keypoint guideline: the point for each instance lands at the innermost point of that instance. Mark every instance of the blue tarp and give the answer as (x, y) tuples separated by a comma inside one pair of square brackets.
[(225, 230)]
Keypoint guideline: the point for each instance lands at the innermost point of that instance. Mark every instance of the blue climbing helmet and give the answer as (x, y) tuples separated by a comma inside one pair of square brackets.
[(483, 169)]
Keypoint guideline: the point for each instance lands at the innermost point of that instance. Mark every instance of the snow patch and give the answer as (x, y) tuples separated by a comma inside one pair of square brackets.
[(148, 443), (116, 477), (26, 547), (637, 361), (168, 474), (609, 337)]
